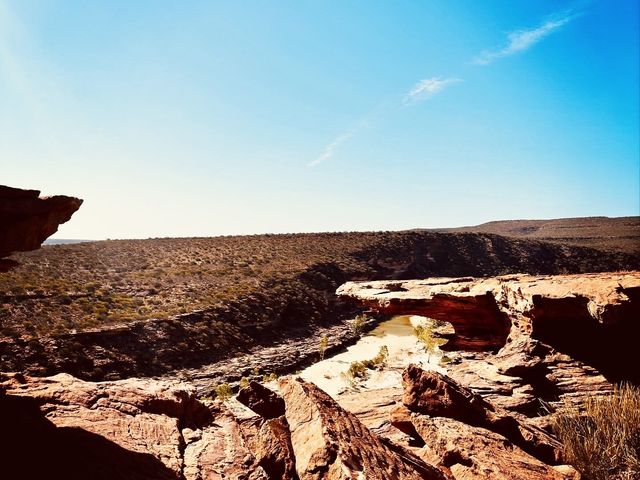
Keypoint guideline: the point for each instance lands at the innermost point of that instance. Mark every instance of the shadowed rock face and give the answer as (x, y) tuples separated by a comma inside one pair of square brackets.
[(126, 430), (261, 400), (66, 452), (26, 220)]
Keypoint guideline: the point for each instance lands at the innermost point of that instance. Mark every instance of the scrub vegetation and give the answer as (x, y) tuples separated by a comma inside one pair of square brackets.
[(603, 441), (78, 287), (360, 369)]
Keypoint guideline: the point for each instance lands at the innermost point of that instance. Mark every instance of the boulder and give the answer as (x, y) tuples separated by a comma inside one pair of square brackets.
[(133, 419), (330, 443), (434, 394), (477, 453)]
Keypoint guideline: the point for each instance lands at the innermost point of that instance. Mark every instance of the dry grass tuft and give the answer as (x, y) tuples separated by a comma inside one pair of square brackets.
[(603, 442)]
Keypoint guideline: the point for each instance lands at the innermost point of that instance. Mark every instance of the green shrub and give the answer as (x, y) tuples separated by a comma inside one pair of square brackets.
[(379, 361), (269, 378), (358, 369), (358, 324), (603, 441), (223, 391), (429, 340)]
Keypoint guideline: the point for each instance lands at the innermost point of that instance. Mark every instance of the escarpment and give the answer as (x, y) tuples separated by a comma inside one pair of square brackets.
[(148, 307)]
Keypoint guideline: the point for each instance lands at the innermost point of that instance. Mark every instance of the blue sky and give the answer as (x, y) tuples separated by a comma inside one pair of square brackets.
[(198, 118)]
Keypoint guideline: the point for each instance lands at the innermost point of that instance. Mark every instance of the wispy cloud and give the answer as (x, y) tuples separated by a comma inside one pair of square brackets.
[(330, 149), (521, 40), (427, 88)]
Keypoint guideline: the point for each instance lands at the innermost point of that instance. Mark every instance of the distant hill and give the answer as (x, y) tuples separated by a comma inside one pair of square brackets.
[(64, 241), (604, 233)]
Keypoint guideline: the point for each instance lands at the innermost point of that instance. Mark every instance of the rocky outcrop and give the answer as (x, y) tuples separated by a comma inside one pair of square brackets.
[(431, 393), (538, 319), (261, 400), (132, 424), (467, 304), (143, 429), (27, 220), (459, 430), (330, 443), (477, 453)]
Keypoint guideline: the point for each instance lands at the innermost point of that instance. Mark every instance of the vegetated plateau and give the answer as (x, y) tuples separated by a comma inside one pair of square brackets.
[(144, 307)]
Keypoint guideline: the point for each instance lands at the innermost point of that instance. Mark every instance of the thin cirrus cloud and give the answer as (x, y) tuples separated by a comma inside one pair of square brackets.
[(518, 41), (427, 88), (422, 90), (330, 149), (521, 40)]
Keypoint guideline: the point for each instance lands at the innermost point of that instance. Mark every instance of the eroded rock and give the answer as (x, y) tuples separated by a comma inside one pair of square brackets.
[(138, 419), (330, 443), (27, 220), (436, 395), (477, 453)]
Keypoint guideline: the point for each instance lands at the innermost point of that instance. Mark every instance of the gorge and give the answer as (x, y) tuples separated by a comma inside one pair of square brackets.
[(118, 396)]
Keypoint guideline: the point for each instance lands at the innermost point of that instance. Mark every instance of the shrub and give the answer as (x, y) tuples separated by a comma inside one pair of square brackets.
[(603, 442), (358, 324), (269, 378), (324, 344), (223, 391), (358, 369), (244, 382), (429, 340), (379, 361)]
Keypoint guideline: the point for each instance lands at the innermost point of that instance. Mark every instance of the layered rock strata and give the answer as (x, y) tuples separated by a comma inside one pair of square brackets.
[(139, 429), (565, 336)]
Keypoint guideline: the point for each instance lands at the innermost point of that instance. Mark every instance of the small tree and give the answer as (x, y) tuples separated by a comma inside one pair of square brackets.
[(430, 342)]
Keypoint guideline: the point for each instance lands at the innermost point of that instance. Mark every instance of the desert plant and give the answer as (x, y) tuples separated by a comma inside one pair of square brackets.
[(358, 369), (324, 344), (269, 378), (244, 382), (603, 441), (445, 359), (379, 361), (223, 391), (358, 324), (429, 340)]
